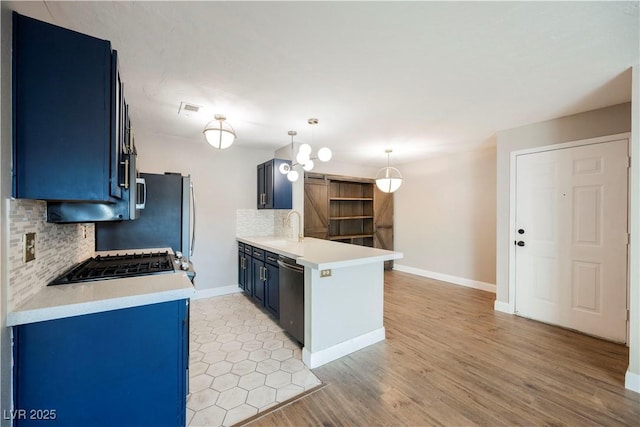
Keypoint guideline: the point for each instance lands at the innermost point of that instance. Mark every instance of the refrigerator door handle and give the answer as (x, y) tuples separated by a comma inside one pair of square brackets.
[(141, 182), (193, 213)]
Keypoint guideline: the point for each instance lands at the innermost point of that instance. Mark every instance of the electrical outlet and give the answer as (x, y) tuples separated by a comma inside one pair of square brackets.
[(29, 247), (325, 273)]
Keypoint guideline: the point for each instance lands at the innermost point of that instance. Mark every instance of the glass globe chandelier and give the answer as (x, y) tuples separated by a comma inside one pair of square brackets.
[(219, 133), (388, 179), (304, 157)]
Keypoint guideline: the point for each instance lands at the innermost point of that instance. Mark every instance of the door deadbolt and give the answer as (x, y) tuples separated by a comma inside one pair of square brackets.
[(520, 231)]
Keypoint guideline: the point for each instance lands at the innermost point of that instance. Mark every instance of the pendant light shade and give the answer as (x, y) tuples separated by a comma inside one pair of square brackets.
[(388, 179), (219, 133)]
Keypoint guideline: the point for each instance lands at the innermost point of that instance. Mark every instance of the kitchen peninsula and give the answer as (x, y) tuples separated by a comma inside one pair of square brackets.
[(343, 294)]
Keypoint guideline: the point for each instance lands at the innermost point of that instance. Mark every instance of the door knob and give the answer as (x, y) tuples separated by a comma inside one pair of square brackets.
[(520, 243)]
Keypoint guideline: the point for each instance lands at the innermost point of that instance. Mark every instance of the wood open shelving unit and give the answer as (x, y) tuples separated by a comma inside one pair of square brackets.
[(349, 210)]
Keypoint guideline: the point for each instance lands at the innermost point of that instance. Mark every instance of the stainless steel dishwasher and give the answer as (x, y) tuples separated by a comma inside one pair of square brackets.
[(292, 297)]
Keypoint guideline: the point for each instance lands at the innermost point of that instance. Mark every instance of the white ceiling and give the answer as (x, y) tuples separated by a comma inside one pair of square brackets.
[(418, 77)]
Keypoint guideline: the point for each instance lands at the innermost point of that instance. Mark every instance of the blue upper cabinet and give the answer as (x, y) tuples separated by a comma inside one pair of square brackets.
[(67, 102), (274, 189)]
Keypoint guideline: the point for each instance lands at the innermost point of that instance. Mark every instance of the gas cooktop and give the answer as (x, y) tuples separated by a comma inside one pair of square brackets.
[(117, 267)]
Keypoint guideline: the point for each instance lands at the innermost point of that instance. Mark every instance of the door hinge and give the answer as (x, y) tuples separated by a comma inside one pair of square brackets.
[(629, 161), (628, 238), (628, 315)]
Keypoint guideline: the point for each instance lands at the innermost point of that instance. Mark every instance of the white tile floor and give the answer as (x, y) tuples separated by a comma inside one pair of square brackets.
[(240, 362)]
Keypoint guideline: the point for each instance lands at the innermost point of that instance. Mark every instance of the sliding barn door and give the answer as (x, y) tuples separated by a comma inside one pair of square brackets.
[(316, 208)]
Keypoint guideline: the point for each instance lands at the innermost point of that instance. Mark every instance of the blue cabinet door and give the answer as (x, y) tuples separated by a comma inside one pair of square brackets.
[(117, 368), (282, 188), (244, 272), (257, 273), (63, 105), (274, 189), (272, 290), (262, 189)]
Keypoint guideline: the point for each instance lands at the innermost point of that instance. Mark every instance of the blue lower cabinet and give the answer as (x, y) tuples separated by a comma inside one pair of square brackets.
[(257, 272), (245, 268), (259, 276), (272, 284), (123, 367)]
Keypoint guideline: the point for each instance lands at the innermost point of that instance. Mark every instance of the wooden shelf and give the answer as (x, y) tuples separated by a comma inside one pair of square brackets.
[(348, 210), (336, 218), (349, 236)]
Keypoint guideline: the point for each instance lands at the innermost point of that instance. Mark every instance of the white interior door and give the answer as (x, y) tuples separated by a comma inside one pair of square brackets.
[(571, 231)]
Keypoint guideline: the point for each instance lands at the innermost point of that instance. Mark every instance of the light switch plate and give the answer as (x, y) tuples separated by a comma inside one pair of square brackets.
[(325, 273), (29, 247)]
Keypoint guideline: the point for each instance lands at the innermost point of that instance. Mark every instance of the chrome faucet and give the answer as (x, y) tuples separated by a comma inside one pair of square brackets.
[(288, 222)]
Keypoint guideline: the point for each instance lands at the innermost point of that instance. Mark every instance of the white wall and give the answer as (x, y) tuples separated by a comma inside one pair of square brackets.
[(445, 217), (224, 180)]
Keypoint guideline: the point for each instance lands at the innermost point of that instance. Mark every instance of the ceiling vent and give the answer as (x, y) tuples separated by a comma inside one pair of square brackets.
[(188, 109)]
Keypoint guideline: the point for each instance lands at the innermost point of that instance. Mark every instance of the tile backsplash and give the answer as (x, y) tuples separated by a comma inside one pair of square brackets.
[(261, 222), (58, 247)]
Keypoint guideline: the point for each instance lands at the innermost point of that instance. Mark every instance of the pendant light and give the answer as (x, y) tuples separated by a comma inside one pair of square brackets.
[(286, 168), (388, 179), (303, 158), (219, 134)]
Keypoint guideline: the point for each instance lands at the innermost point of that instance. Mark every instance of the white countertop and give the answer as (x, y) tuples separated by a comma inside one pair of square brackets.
[(321, 254), (55, 302)]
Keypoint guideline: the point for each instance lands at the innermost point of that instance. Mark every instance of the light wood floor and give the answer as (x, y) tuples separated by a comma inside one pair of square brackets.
[(449, 359)]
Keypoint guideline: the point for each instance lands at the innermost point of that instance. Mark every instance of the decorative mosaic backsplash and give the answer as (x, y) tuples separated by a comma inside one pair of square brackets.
[(261, 222), (58, 247)]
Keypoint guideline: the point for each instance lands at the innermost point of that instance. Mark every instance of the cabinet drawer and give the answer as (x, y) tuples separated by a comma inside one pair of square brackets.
[(247, 249), (257, 253), (272, 258), (240, 247)]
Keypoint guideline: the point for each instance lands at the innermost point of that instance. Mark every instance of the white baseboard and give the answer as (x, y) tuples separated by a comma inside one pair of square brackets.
[(469, 283), (216, 292), (632, 381), (504, 307), (319, 358)]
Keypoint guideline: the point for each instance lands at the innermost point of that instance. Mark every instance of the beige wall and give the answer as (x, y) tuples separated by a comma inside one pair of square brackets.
[(633, 373), (602, 122), (445, 217), (224, 181), (606, 121)]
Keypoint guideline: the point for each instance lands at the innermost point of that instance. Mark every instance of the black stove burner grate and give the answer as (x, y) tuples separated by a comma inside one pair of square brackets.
[(116, 267)]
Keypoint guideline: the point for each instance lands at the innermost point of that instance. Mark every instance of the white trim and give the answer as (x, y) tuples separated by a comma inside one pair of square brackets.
[(469, 283), (319, 358), (572, 144), (512, 196), (632, 381), (503, 307), (216, 292)]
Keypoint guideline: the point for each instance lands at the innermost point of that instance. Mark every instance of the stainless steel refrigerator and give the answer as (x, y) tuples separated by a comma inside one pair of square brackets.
[(168, 219)]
